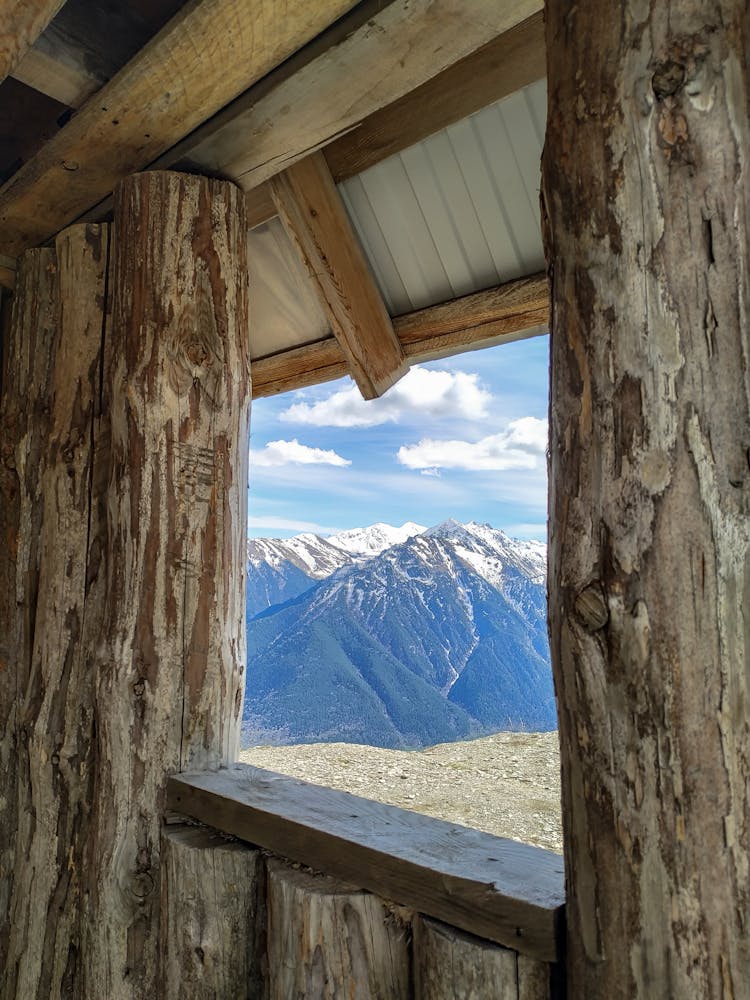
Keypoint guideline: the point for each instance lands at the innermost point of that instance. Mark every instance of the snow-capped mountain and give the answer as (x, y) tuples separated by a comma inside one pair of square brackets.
[(438, 637), (376, 538)]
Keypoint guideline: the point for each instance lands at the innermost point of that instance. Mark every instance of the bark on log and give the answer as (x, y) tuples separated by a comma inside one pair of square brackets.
[(450, 965), (56, 704), (646, 194), (171, 672), (24, 422), (210, 917), (331, 941)]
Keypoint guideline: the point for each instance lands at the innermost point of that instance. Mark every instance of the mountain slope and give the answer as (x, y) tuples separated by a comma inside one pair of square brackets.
[(439, 637)]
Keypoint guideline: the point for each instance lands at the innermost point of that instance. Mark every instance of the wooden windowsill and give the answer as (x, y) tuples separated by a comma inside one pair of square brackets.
[(498, 889)]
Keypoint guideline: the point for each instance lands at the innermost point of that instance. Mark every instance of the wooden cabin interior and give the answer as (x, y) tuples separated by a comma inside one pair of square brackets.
[(208, 201)]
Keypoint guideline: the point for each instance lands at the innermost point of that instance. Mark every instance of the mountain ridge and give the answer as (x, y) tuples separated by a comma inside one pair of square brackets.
[(440, 636)]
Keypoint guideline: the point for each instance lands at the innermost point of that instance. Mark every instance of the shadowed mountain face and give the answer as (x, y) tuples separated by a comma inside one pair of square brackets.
[(402, 639)]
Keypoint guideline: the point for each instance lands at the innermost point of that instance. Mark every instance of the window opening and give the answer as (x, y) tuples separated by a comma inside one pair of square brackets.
[(397, 643)]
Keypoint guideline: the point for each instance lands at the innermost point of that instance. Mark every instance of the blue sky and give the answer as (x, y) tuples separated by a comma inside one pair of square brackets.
[(464, 437)]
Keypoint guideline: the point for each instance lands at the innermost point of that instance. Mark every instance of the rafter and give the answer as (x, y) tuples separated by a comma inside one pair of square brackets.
[(314, 216), (509, 62), (164, 92), (513, 311)]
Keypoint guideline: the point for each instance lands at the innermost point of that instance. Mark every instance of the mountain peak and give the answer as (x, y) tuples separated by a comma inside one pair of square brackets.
[(375, 538)]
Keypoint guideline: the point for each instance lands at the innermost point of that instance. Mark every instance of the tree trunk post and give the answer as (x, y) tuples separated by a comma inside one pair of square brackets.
[(646, 209), (170, 674), (56, 703), (27, 353)]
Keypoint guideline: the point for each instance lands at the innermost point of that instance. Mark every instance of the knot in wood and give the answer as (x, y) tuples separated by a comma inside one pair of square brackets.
[(591, 607), (667, 79), (141, 885)]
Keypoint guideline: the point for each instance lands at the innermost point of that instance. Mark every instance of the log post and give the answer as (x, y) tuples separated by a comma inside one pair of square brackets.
[(451, 965), (646, 202), (27, 353), (332, 941), (211, 917), (56, 702), (170, 673)]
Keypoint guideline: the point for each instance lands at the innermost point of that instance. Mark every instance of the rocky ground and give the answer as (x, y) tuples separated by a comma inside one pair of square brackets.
[(508, 784)]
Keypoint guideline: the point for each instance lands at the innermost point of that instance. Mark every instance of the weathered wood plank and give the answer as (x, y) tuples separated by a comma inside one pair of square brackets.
[(170, 669), (396, 50), (646, 209), (21, 23), (28, 361), (449, 965), (316, 221), (510, 312), (163, 93), (507, 63), (331, 941), (210, 917), (495, 888), (57, 701)]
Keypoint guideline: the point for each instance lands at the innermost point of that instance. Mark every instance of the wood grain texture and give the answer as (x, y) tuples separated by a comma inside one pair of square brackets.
[(331, 941), (85, 45), (646, 209), (495, 888), (28, 362), (21, 23), (396, 50), (315, 219), (510, 61), (204, 57), (170, 668), (55, 765), (210, 917), (512, 311), (449, 965)]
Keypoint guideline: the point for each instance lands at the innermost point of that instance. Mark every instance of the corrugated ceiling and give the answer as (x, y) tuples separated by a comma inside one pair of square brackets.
[(459, 211)]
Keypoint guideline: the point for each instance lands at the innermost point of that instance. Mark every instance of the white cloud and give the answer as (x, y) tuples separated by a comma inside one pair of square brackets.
[(519, 446), (422, 393), (278, 453)]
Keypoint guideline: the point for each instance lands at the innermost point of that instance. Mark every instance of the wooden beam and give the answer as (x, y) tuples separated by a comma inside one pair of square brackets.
[(499, 889), (21, 23), (168, 89), (510, 312), (87, 43), (310, 109), (509, 62), (314, 216)]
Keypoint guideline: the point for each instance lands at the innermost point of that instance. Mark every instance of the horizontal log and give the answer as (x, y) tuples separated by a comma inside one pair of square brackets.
[(513, 311), (498, 889), (162, 94)]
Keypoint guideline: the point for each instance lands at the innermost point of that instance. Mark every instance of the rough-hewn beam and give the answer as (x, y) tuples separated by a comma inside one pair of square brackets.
[(21, 23), (206, 55), (315, 219), (83, 48), (511, 312), (506, 64), (646, 193)]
